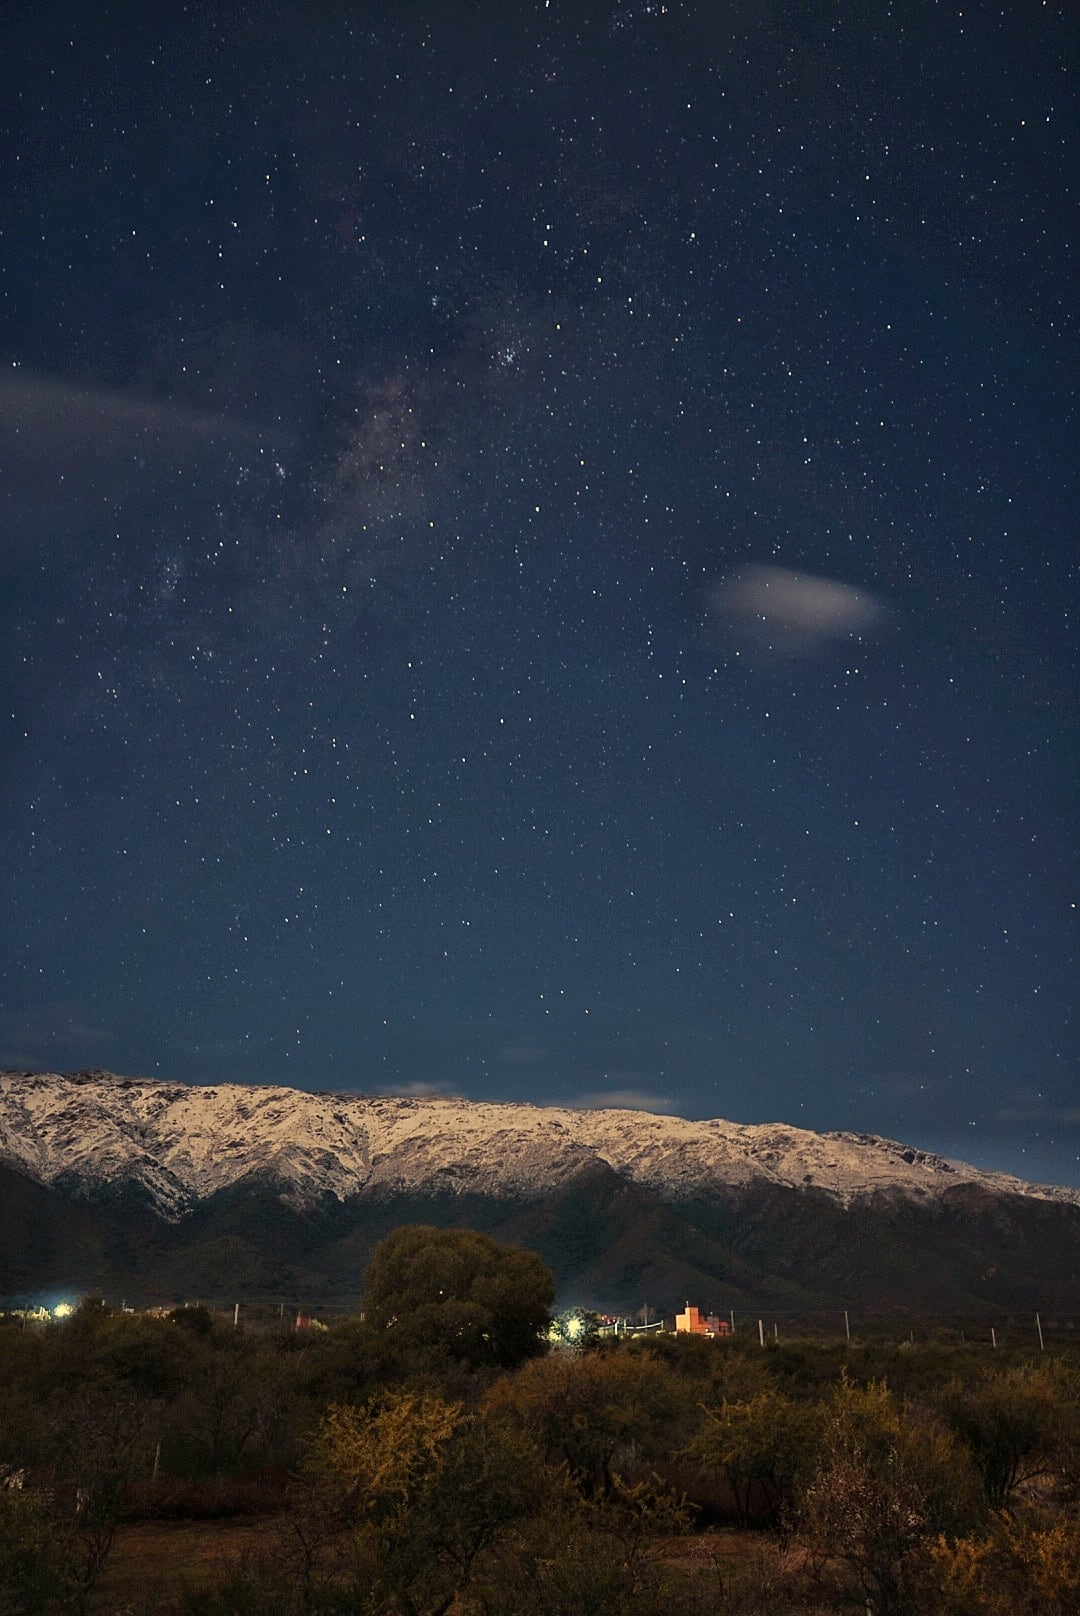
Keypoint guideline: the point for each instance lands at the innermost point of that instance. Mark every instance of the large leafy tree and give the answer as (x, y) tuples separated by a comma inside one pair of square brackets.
[(1011, 1423), (888, 1480), (425, 1491), (594, 1412), (763, 1446), (460, 1292)]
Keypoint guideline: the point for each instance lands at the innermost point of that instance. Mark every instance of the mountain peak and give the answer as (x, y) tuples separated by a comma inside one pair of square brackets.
[(162, 1188), (181, 1143)]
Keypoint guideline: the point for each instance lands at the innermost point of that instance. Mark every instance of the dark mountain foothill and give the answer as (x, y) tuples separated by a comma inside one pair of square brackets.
[(161, 1191)]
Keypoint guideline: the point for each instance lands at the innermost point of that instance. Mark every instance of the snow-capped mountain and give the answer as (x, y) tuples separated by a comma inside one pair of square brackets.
[(180, 1145), (155, 1188)]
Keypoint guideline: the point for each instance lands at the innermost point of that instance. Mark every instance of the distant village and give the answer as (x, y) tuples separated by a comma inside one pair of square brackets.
[(692, 1322), (567, 1328)]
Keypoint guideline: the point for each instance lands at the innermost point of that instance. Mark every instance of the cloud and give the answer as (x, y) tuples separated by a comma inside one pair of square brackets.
[(523, 1052), (57, 428), (70, 450), (904, 1085), (215, 1049), (625, 1100), (440, 1090), (791, 613), (32, 1038), (1037, 1111)]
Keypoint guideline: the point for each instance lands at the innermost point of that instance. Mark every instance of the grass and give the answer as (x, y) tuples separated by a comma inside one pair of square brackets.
[(153, 1563)]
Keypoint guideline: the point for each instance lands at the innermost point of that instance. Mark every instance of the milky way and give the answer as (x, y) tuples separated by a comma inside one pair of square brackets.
[(537, 560)]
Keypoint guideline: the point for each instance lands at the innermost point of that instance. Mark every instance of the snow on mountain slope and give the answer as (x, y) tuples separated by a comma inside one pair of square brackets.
[(180, 1144)]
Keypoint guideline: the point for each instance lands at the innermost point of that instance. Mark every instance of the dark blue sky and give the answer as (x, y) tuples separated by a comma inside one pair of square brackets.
[(538, 557)]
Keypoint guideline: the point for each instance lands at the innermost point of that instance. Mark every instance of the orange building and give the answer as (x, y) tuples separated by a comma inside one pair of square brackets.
[(692, 1323)]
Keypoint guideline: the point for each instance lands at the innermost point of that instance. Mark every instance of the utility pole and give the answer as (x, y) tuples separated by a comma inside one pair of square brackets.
[(1038, 1326), (847, 1325)]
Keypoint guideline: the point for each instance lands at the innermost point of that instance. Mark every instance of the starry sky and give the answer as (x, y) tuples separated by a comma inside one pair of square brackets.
[(538, 556)]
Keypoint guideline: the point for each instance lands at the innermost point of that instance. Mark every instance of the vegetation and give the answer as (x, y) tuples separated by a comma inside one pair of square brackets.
[(433, 1458), (461, 1294)]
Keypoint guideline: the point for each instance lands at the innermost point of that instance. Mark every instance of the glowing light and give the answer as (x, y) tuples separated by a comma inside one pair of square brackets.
[(63, 1310)]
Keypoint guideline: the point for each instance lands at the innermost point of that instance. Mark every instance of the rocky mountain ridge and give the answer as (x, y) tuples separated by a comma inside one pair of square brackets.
[(178, 1145), (141, 1188)]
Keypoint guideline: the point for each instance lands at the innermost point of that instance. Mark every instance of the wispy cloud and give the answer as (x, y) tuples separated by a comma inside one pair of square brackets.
[(69, 449), (219, 1049), (791, 613), (49, 1033), (626, 1100), (440, 1090), (61, 428), (523, 1052), (1036, 1111)]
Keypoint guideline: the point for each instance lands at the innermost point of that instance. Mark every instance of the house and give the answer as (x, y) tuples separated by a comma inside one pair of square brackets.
[(693, 1323)]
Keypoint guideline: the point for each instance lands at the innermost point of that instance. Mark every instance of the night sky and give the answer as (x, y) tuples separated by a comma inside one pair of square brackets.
[(538, 556)]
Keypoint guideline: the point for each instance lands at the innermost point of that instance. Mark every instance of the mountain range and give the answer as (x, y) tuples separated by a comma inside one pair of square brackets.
[(170, 1191)]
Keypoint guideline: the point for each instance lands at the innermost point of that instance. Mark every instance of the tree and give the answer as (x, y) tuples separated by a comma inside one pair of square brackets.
[(1025, 1565), (887, 1480), (1010, 1423), (36, 1566), (597, 1413), (101, 1440), (461, 1293), (424, 1489), (582, 1558), (764, 1446)]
